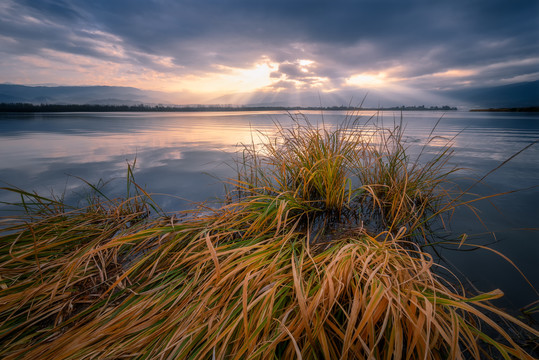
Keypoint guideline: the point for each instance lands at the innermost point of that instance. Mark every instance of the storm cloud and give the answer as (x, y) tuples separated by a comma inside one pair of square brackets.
[(303, 45)]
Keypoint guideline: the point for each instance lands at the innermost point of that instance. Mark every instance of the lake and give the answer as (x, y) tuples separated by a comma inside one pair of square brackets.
[(180, 158)]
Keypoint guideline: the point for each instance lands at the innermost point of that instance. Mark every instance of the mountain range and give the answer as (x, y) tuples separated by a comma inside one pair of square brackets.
[(103, 95), (524, 94)]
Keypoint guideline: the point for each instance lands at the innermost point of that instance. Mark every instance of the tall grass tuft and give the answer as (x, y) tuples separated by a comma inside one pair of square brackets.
[(257, 278), (349, 174)]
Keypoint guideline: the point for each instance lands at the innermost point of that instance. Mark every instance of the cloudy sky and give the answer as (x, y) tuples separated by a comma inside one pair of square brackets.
[(203, 49)]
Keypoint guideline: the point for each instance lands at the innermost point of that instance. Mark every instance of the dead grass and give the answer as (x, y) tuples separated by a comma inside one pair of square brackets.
[(247, 281)]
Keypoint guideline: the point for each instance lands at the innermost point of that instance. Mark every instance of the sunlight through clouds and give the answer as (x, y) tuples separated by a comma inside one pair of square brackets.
[(455, 73), (367, 80), (298, 74), (229, 79)]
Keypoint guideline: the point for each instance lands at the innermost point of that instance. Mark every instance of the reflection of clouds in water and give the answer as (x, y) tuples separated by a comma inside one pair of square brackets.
[(156, 157), (192, 176), (172, 150), (471, 155), (105, 146), (411, 140)]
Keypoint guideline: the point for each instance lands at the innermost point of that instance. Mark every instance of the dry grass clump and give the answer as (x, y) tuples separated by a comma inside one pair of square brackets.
[(245, 281), (349, 174)]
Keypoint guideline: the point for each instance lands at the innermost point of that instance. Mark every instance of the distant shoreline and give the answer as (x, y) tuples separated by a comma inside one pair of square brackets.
[(520, 109), (25, 107)]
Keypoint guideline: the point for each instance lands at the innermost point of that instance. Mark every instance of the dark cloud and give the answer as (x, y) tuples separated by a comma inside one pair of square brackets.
[(341, 37)]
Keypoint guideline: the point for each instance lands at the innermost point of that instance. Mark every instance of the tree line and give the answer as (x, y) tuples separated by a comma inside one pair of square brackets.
[(27, 107)]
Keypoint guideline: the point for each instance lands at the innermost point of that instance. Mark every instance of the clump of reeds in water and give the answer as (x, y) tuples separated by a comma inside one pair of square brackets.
[(349, 175), (258, 278)]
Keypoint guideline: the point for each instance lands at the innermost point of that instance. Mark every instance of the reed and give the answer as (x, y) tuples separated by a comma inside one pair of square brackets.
[(258, 278), (351, 174)]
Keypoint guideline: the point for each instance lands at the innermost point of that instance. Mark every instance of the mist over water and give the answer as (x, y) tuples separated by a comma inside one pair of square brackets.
[(181, 156)]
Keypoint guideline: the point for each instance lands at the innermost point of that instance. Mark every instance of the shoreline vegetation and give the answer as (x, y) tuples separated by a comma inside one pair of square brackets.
[(317, 251), (26, 107), (29, 108)]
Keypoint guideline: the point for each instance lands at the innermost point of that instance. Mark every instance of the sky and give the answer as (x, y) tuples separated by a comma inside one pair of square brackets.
[(206, 50)]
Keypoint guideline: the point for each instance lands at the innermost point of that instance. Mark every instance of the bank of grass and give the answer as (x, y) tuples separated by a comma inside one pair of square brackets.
[(316, 254)]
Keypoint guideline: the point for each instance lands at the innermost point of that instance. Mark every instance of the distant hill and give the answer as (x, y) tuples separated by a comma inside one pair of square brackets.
[(104, 95), (113, 102), (525, 94), (5, 98)]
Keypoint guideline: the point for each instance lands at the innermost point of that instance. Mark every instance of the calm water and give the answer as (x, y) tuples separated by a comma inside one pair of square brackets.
[(183, 155)]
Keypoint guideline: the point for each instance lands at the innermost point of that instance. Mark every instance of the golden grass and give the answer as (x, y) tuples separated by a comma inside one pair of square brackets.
[(349, 174), (247, 281)]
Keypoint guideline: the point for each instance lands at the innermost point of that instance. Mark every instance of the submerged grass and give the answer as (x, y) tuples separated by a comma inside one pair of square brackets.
[(287, 269)]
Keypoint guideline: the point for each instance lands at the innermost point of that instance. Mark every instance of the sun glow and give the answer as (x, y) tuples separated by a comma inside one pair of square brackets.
[(229, 79), (367, 80), (305, 62), (455, 73)]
